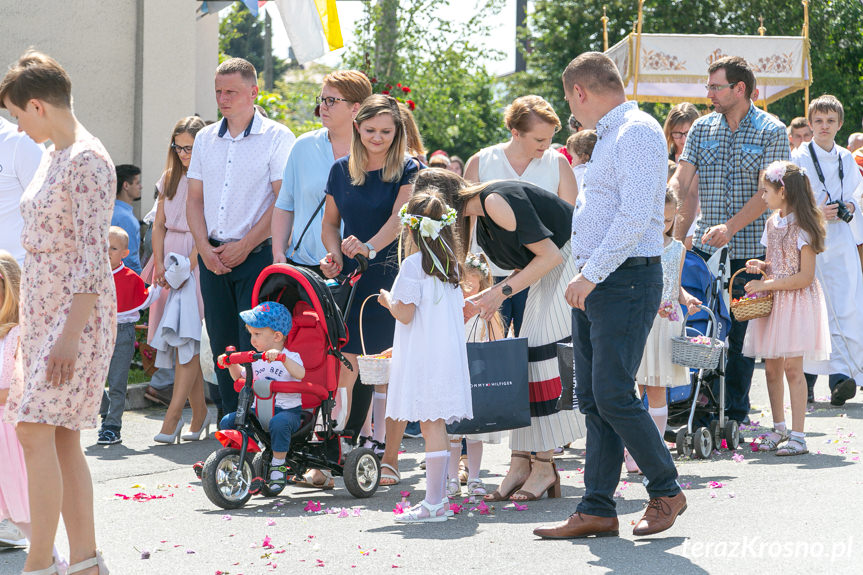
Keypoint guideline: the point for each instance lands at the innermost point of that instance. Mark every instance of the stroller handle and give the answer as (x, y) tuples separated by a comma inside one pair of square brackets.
[(234, 357), (713, 323), (362, 263)]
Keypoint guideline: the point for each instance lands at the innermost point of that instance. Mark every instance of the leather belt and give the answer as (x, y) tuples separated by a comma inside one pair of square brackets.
[(639, 261), (266, 243)]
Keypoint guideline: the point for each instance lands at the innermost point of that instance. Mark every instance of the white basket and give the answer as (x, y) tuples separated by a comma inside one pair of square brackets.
[(373, 370)]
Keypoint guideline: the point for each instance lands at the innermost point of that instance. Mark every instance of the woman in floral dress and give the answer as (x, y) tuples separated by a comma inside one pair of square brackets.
[(68, 311)]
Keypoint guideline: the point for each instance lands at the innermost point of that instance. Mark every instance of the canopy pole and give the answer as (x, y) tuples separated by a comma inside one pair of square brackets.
[(604, 30), (638, 48), (761, 31), (808, 61)]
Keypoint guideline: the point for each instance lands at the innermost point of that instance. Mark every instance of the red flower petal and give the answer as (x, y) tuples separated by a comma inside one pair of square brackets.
[(385, 92), (406, 90)]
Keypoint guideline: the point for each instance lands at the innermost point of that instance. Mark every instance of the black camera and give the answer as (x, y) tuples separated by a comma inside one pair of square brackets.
[(842, 211)]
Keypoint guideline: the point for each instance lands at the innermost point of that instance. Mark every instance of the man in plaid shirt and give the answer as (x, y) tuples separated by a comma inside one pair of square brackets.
[(728, 149)]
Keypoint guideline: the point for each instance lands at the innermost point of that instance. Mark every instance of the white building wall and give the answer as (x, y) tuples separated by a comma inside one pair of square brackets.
[(137, 66)]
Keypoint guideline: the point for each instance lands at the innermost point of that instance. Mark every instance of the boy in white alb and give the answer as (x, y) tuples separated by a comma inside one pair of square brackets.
[(268, 324), (837, 184)]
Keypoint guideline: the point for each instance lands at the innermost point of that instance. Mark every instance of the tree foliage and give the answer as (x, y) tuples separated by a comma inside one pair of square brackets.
[(410, 42), (241, 35), (559, 30)]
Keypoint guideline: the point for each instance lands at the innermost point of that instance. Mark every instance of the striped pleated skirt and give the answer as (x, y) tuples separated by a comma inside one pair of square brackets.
[(547, 322)]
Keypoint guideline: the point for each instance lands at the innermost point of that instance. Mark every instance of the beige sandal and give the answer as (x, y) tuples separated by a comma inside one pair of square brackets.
[(391, 475), (307, 482)]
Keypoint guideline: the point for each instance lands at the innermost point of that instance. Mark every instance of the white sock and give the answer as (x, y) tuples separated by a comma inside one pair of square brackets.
[(454, 456), (436, 464), (660, 417), (799, 436), (275, 473), (779, 427), (379, 416), (474, 459)]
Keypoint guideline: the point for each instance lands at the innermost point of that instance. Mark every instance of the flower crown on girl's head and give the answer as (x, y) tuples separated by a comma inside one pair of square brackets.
[(428, 227), (474, 262)]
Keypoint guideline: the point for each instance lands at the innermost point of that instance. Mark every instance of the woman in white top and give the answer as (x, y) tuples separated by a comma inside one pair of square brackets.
[(526, 157)]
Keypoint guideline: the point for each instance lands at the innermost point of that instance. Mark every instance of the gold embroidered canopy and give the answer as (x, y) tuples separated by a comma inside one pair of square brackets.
[(673, 67)]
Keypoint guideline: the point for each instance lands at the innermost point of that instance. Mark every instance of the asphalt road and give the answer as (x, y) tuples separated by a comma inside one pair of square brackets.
[(748, 512)]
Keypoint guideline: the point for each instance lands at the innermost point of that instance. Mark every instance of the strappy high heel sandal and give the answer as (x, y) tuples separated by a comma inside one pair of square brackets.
[(552, 490), (496, 495)]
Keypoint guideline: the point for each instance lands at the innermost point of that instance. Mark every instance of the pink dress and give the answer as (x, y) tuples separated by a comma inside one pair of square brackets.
[(178, 239), (797, 325), (67, 212), (14, 504)]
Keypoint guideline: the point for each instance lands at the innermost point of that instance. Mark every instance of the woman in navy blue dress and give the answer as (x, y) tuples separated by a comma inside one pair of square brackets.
[(365, 191)]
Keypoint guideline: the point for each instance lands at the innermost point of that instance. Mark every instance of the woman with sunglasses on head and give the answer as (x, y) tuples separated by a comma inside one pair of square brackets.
[(171, 235)]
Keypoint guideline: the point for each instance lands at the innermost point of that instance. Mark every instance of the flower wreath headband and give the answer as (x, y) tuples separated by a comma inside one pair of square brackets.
[(430, 228), (776, 172), (474, 262)]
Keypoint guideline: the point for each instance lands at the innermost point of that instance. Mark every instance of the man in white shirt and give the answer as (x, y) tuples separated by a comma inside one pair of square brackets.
[(19, 159), (616, 243), (234, 179)]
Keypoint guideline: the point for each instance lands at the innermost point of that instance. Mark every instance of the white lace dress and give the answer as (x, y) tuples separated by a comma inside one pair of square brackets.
[(656, 368), (429, 377)]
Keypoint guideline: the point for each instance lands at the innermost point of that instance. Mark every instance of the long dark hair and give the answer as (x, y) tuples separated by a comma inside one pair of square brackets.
[(174, 169), (801, 203), (445, 248)]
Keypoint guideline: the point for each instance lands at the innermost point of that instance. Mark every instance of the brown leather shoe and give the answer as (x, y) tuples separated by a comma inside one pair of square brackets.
[(660, 514), (580, 525)]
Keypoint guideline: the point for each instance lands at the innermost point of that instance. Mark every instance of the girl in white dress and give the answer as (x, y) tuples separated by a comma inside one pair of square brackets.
[(657, 372), (429, 378), (477, 277)]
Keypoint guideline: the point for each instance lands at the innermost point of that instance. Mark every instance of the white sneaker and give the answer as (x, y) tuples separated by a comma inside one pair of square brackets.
[(11, 536)]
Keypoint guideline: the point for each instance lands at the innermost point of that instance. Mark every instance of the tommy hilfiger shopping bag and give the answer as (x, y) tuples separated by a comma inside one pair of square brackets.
[(499, 390)]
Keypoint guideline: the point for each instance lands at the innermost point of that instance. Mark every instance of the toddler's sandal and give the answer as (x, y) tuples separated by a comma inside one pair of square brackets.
[(793, 447), (476, 490)]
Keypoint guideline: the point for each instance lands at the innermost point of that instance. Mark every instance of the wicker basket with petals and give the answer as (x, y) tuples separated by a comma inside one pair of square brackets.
[(374, 369), (750, 308)]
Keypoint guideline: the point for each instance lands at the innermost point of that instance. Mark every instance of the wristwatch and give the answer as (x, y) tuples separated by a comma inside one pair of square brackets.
[(507, 290), (372, 252)]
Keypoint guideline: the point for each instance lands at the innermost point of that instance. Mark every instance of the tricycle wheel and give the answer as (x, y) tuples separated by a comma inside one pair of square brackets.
[(226, 482), (362, 472)]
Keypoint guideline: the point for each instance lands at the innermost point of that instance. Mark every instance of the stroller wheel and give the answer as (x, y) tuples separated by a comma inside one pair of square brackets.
[(732, 434), (702, 443), (684, 448), (362, 472), (227, 482), (716, 434)]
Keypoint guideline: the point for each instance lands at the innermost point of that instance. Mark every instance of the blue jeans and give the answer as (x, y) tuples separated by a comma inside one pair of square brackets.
[(512, 309), (608, 342), (283, 425), (739, 368), (114, 398)]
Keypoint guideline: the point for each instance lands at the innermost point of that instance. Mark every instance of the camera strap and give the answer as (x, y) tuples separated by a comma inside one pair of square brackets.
[(821, 174)]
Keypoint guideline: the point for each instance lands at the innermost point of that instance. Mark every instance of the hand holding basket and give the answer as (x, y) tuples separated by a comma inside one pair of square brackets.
[(750, 307)]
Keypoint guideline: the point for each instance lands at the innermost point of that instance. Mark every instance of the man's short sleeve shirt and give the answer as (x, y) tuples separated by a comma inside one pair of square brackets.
[(728, 165)]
